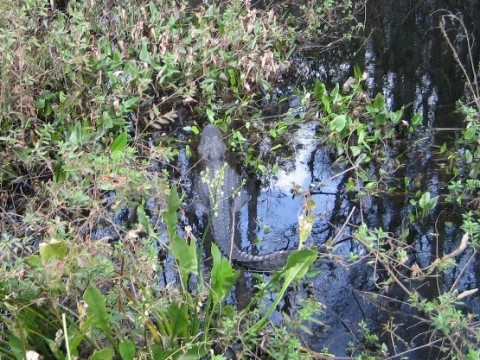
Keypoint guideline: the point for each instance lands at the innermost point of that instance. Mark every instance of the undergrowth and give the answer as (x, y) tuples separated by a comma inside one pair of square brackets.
[(364, 134), (87, 206)]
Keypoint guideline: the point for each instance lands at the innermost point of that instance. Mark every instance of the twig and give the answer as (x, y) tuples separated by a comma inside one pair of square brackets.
[(343, 226)]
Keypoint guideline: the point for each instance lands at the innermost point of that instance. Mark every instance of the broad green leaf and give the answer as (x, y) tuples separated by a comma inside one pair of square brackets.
[(335, 94), (55, 249), (104, 354), (297, 266), (468, 156), (223, 275), (355, 150), (424, 200), (76, 335), (396, 116), (76, 134), (130, 104), (193, 129), (443, 149), (119, 143), (21, 154), (54, 348), (96, 309), (185, 254), (144, 55), (61, 97), (179, 320), (357, 72), (380, 119), (326, 104), (473, 174), (379, 102), (319, 91), (338, 123), (127, 349), (16, 347), (34, 261), (417, 119), (144, 221), (210, 115), (59, 173)]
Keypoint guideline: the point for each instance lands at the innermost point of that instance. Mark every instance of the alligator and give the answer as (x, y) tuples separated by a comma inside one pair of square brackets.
[(219, 189)]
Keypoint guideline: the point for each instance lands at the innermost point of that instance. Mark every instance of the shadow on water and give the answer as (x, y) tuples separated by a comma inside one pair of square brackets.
[(407, 60)]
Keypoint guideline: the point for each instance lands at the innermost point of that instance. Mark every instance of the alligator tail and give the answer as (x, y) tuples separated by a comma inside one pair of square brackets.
[(269, 262)]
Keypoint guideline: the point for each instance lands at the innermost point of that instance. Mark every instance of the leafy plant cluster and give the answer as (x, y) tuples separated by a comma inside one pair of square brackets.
[(364, 135), (464, 188), (362, 132), (73, 300), (328, 22)]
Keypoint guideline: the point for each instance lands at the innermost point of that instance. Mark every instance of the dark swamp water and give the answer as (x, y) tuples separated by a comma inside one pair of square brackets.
[(408, 60)]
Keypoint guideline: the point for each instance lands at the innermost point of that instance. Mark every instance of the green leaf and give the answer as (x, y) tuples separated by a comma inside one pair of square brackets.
[(96, 309), (417, 119), (297, 266), (193, 129), (119, 143), (355, 150), (130, 104), (357, 72), (55, 249), (468, 156), (326, 104), (424, 201), (338, 123), (76, 134), (210, 115), (104, 354), (127, 349), (380, 119), (61, 97), (223, 276), (144, 55), (185, 254), (396, 116), (335, 94), (144, 221), (179, 319), (59, 173), (34, 261), (379, 102), (443, 148), (16, 347), (319, 91)]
